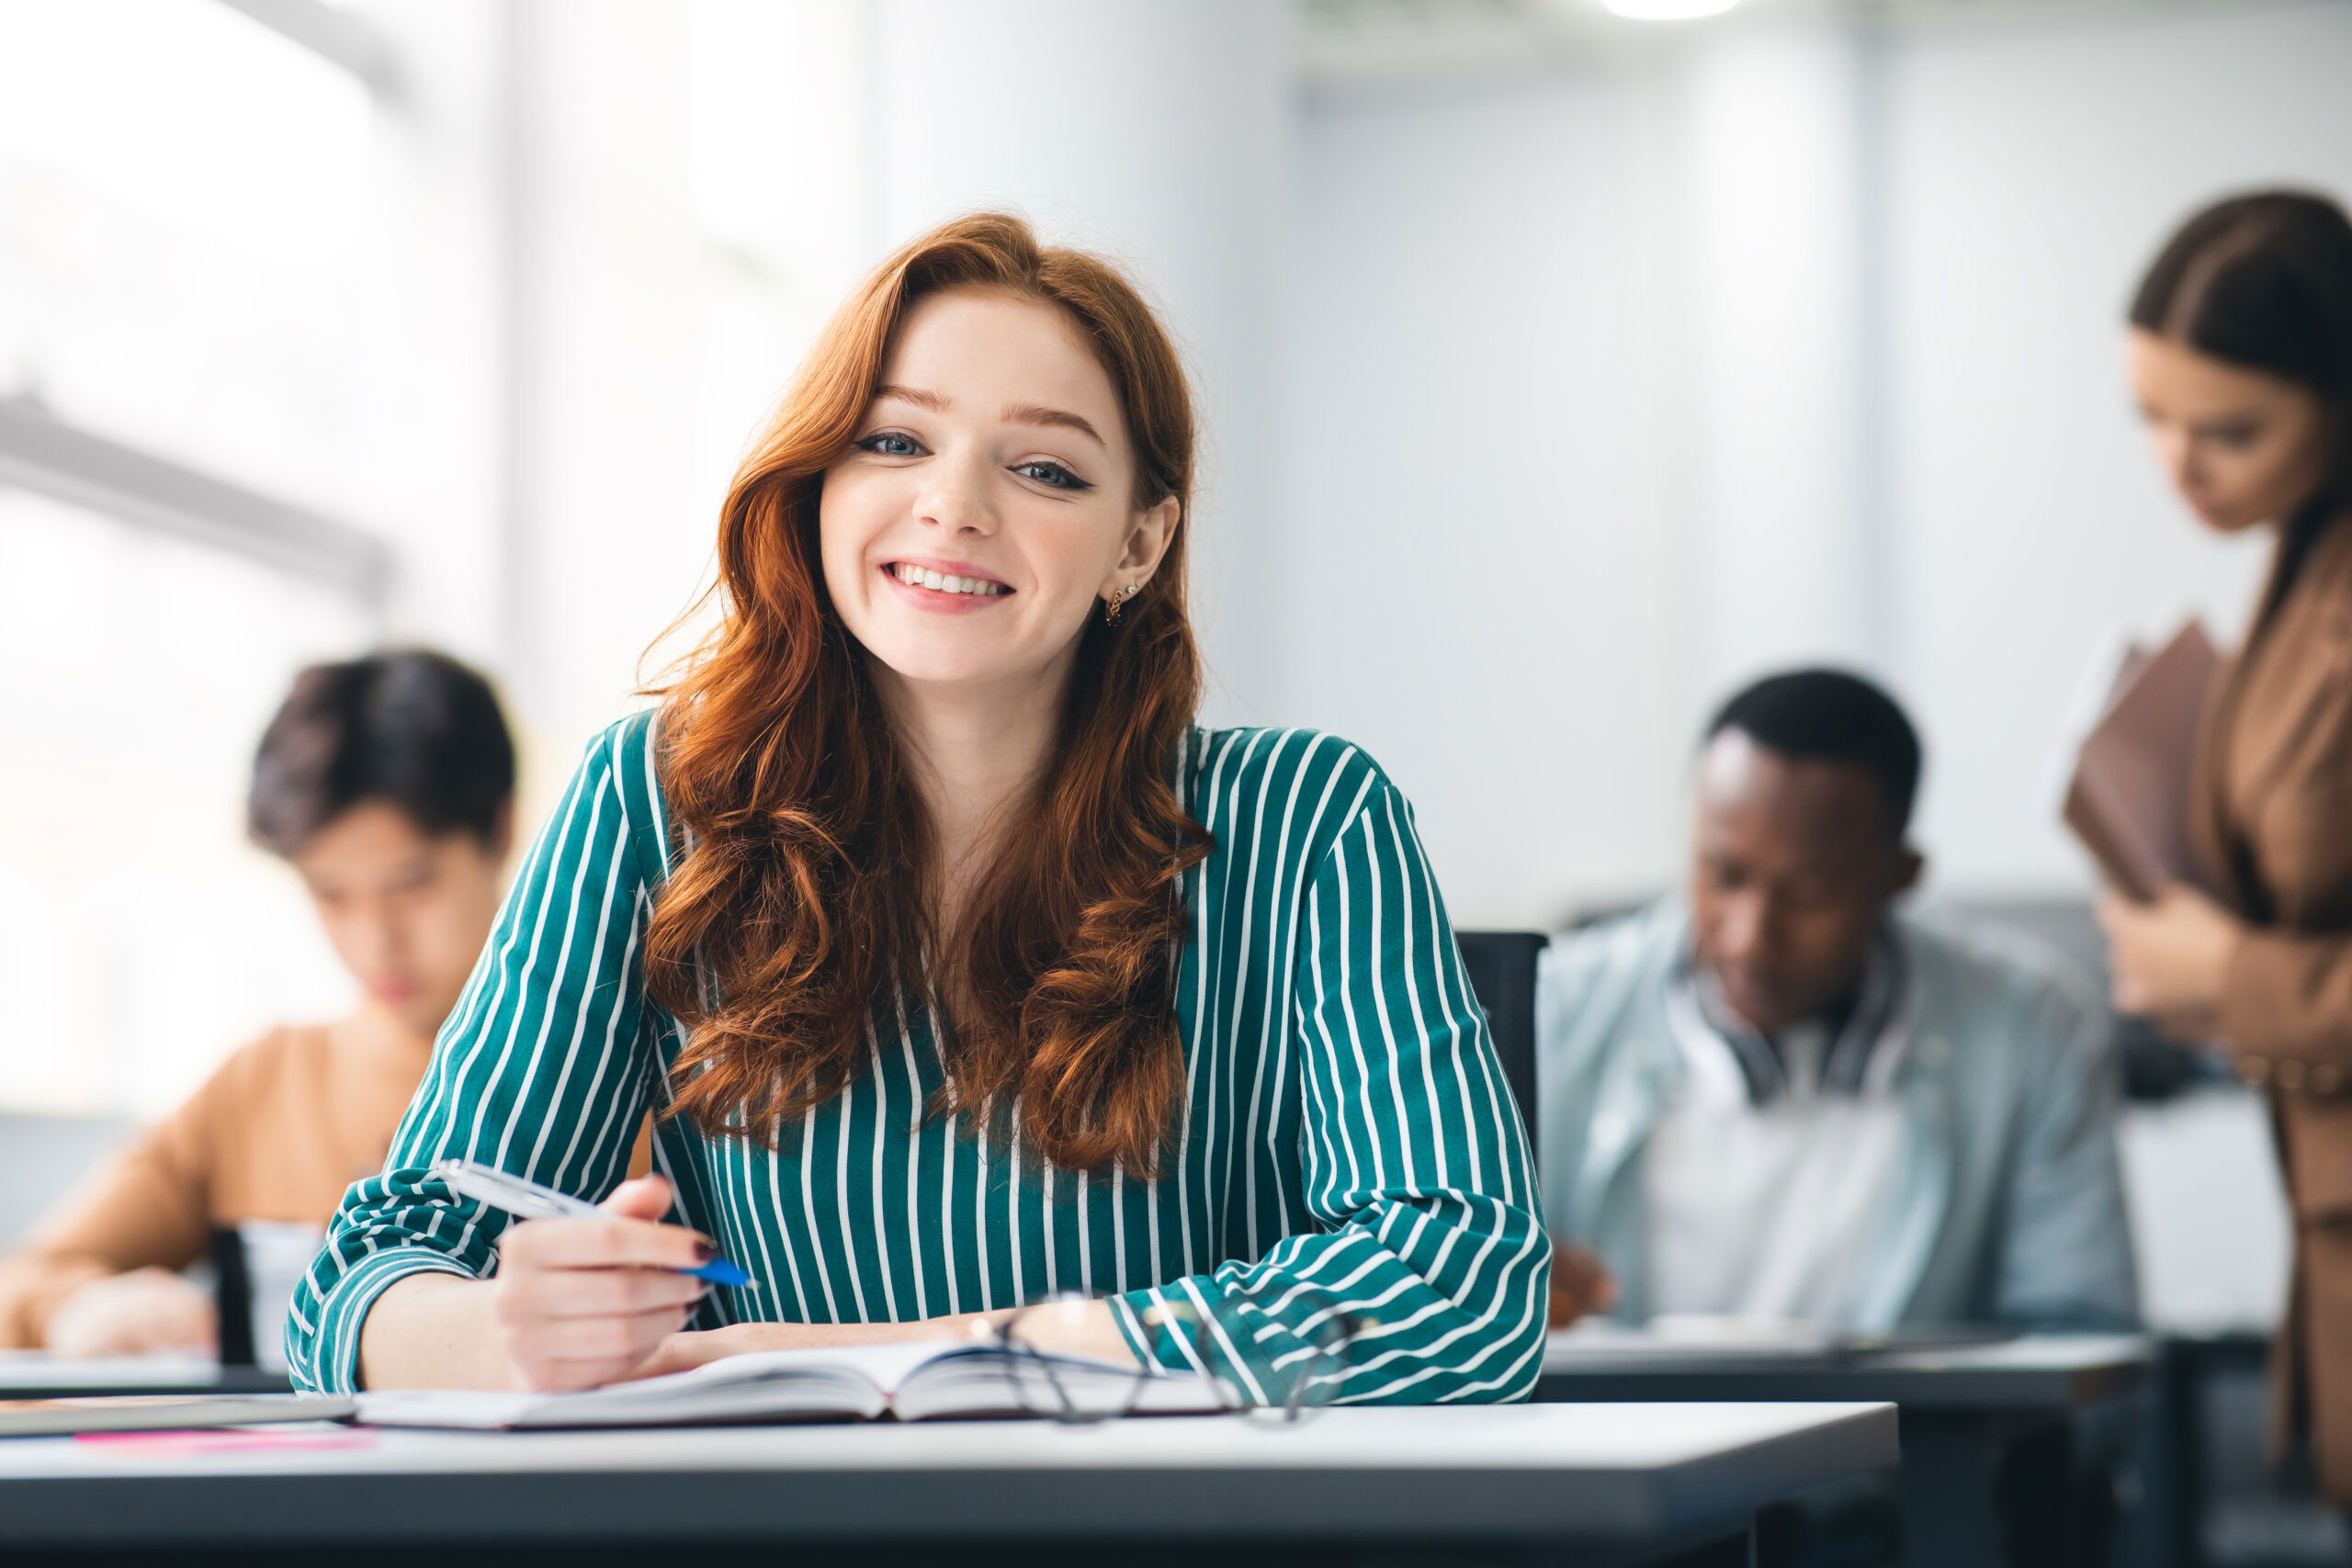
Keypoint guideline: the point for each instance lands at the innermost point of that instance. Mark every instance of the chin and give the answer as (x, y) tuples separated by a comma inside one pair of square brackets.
[(420, 1018), (2226, 524), (947, 666), (1762, 1016), (958, 653)]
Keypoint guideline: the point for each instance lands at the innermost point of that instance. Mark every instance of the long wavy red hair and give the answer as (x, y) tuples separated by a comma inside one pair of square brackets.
[(803, 899)]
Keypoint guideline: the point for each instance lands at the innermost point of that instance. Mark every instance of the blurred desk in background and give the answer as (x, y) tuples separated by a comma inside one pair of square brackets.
[(29, 1374), (1989, 1430)]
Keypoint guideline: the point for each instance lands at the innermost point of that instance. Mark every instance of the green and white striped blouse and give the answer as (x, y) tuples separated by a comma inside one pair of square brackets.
[(1349, 1149)]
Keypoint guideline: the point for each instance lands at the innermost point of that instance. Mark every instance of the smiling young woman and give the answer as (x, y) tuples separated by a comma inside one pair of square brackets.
[(960, 966)]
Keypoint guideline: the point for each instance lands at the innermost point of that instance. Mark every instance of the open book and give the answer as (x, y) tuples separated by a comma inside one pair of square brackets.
[(2129, 799), (917, 1381)]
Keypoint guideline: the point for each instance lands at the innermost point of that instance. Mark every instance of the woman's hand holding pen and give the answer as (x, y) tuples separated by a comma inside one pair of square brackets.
[(2171, 958), (585, 1300)]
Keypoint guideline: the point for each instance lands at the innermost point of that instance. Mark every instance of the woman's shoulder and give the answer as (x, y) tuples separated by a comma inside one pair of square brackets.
[(621, 769), (628, 746), (284, 1049), (1291, 781), (290, 1060)]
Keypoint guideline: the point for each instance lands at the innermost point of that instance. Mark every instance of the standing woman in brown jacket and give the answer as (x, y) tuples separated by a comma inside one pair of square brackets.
[(2241, 351)]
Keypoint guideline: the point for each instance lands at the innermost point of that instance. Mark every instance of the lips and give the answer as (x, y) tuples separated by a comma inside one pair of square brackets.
[(1749, 993), (962, 588)]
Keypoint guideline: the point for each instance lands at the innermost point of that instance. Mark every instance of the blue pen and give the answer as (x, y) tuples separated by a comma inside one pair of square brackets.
[(519, 1195)]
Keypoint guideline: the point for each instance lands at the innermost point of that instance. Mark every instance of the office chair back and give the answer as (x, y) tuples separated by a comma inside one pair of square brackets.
[(1502, 971)]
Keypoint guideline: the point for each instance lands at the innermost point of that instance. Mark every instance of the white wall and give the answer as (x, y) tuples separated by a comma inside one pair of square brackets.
[(696, 188), (1610, 391), (1481, 514), (1158, 132), (682, 179)]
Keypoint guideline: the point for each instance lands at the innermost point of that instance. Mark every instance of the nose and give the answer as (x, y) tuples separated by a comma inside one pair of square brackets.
[(1744, 932), (1739, 927), (2179, 455), (376, 941), (958, 497)]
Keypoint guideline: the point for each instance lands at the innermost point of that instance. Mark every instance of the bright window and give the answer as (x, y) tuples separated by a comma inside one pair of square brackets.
[(139, 936), (181, 194), (184, 194)]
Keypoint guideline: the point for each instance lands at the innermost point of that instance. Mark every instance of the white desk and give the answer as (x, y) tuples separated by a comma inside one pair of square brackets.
[(1636, 1483)]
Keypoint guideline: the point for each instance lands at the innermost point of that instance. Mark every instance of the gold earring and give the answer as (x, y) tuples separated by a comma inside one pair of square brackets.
[(1119, 601)]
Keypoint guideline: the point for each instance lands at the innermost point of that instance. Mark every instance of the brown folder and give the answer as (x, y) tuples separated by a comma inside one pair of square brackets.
[(2129, 799)]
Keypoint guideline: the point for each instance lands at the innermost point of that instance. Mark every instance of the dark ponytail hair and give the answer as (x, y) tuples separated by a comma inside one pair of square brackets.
[(2264, 281)]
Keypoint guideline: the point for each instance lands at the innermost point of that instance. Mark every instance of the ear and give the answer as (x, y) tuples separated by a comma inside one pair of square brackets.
[(502, 834), (1147, 540), (1910, 871)]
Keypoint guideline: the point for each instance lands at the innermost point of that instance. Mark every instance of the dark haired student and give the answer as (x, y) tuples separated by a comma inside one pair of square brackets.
[(1783, 1097), (965, 968), (2241, 357), (387, 783)]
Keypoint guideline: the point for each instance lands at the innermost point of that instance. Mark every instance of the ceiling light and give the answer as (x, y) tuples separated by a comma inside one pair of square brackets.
[(1666, 10)]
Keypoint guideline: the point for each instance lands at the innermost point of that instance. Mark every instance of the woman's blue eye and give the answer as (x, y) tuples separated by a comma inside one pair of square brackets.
[(889, 444), (1052, 474)]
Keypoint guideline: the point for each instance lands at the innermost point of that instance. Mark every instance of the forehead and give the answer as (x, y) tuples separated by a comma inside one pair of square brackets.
[(365, 839), (2169, 373), (985, 350), (1758, 801)]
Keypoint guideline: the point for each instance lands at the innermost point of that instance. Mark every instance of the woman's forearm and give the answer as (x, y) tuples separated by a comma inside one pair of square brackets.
[(434, 1331)]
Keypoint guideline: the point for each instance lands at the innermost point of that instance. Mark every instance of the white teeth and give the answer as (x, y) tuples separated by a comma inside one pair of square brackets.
[(947, 582)]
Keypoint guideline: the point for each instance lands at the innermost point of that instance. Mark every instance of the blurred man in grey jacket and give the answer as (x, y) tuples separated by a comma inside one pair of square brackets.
[(1781, 1097)]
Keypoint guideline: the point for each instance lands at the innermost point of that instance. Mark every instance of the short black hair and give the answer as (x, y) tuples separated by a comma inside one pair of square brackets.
[(1831, 715), (412, 728)]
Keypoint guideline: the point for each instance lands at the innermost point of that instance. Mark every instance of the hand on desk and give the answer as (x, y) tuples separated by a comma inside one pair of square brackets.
[(2171, 958), (146, 1312), (1580, 1285)]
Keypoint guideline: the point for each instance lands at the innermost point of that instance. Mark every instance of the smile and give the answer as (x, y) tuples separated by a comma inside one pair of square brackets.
[(915, 576)]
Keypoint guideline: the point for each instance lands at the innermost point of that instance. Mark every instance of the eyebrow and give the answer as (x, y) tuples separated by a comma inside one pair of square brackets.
[(1015, 413), (1035, 414)]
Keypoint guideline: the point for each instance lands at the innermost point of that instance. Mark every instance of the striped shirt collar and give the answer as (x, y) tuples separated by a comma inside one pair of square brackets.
[(1820, 1055)]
